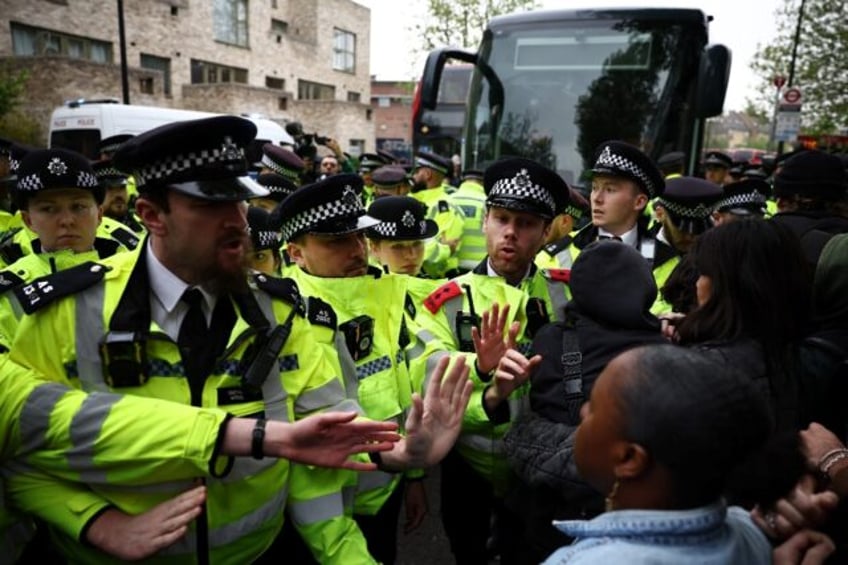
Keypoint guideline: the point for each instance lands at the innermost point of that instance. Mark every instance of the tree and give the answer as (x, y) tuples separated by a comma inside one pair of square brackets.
[(461, 22), (12, 85), (15, 124), (821, 69)]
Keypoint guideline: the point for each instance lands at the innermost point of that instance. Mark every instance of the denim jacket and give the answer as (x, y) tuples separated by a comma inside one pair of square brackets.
[(707, 535)]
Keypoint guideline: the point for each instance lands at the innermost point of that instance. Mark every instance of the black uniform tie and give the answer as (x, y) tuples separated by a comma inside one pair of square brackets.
[(193, 336)]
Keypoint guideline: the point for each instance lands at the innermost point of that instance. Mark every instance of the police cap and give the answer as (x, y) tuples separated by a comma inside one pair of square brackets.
[(283, 162), (107, 174), (619, 159), (389, 176), (263, 232), (46, 169), (718, 159), (279, 186), (689, 201), (111, 144), (331, 206), (370, 161), (523, 185), (403, 219), (672, 159), (744, 198), (433, 161), (200, 158)]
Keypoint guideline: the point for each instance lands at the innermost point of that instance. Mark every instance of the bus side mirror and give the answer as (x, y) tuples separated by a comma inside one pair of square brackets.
[(713, 75), (432, 76)]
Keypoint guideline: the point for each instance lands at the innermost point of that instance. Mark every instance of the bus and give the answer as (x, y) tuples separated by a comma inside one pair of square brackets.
[(79, 125), (552, 85), (440, 130)]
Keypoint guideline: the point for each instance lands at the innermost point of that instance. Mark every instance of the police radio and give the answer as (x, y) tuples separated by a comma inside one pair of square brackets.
[(359, 336), (123, 357), (464, 323), (537, 316)]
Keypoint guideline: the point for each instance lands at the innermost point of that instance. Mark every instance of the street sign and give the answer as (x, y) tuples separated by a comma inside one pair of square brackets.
[(792, 95), (779, 81), (788, 123)]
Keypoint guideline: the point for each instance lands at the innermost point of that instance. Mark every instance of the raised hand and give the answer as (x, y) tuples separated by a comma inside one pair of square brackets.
[(131, 538), (489, 342), (513, 371)]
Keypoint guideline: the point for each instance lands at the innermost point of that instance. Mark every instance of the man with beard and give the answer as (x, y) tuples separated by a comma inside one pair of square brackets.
[(441, 256), (179, 319), (468, 315), (116, 200)]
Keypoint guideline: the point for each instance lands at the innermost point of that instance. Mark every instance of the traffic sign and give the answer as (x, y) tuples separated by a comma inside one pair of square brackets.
[(792, 95), (779, 81)]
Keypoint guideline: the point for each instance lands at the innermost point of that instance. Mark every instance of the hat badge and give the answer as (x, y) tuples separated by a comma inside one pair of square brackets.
[(408, 220), (349, 196), (57, 167), (605, 156), (522, 179), (229, 150)]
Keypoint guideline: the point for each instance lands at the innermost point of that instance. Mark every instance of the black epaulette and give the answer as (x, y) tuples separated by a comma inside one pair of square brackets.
[(106, 247), (556, 246), (43, 291), (320, 313), (125, 237), (444, 206), (409, 306), (9, 280), (9, 250), (283, 288), (375, 272)]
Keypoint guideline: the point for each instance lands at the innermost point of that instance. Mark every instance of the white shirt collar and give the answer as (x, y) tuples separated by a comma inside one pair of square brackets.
[(168, 288), (630, 237)]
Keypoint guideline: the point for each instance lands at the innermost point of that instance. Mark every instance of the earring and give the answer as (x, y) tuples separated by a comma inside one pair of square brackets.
[(609, 502)]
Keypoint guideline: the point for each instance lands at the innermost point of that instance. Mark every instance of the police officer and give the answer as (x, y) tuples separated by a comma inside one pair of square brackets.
[(684, 211), (390, 180), (179, 320), (365, 314), (717, 165), (556, 253), (672, 164), (471, 199), (116, 202), (522, 197), (397, 243), (431, 188), (281, 161), (743, 199), (264, 255), (368, 163)]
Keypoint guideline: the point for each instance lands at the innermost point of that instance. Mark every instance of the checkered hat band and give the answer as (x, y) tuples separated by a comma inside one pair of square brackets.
[(109, 172), (386, 229), (741, 200), (699, 211), (618, 162), (522, 190), (277, 189), (423, 162), (321, 213), (33, 182), (574, 211), (266, 238), (14, 164), (111, 148), (179, 163), (280, 170)]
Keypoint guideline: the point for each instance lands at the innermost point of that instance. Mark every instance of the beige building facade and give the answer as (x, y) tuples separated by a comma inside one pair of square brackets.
[(287, 60)]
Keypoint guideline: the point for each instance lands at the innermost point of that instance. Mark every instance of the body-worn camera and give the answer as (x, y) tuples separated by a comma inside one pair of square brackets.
[(123, 356), (359, 336)]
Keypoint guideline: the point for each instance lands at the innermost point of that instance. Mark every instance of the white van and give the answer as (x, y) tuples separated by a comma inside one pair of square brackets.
[(80, 125)]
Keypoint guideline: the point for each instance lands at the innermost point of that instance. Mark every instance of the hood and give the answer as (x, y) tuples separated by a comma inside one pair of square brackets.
[(830, 291)]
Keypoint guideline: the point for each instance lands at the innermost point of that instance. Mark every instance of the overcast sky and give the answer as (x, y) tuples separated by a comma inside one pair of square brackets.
[(738, 24)]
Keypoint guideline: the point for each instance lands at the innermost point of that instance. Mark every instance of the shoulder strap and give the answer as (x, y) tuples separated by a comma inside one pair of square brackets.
[(9, 280), (441, 295), (283, 288), (320, 313), (45, 290)]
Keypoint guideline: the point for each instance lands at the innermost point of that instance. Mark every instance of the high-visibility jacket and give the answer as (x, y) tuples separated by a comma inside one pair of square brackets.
[(80, 437), (22, 241), (540, 298), (438, 258), (376, 375), (244, 508), (471, 199)]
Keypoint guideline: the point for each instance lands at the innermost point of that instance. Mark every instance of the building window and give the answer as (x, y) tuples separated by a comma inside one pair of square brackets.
[(368, 114), (27, 40), (159, 64), (307, 90), (344, 51), (282, 103), (229, 21), (354, 96), (357, 147), (203, 72), (146, 85), (275, 83), (279, 27), (384, 102)]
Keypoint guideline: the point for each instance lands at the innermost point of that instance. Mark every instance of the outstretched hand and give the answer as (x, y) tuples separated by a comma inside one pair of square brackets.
[(329, 439), (514, 369), (435, 421), (489, 342)]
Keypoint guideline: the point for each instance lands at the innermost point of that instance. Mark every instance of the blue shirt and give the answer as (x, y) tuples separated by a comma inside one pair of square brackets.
[(707, 535)]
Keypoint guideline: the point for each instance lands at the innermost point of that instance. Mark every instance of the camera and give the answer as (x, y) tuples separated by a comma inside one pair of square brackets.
[(302, 139)]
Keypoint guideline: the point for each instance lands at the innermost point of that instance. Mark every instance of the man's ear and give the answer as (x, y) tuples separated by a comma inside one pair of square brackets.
[(296, 254), (152, 216)]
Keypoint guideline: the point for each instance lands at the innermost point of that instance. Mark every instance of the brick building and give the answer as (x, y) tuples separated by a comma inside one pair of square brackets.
[(288, 60), (392, 104)]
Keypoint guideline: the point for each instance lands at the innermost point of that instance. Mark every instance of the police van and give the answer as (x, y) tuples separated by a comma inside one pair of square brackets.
[(79, 125)]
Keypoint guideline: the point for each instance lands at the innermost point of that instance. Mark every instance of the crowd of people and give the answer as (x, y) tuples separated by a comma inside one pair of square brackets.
[(214, 361)]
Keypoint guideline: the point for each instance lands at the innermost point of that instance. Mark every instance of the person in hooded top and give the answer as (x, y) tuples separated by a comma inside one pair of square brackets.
[(612, 290)]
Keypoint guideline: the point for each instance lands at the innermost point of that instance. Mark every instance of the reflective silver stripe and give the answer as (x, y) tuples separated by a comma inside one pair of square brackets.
[(169, 487), (320, 398), (430, 366), (88, 331), (371, 480), (86, 427), (647, 248), (348, 366), (564, 258), (315, 510), (273, 393), (452, 308), (556, 292), (347, 405), (35, 415), (348, 495), (482, 443)]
